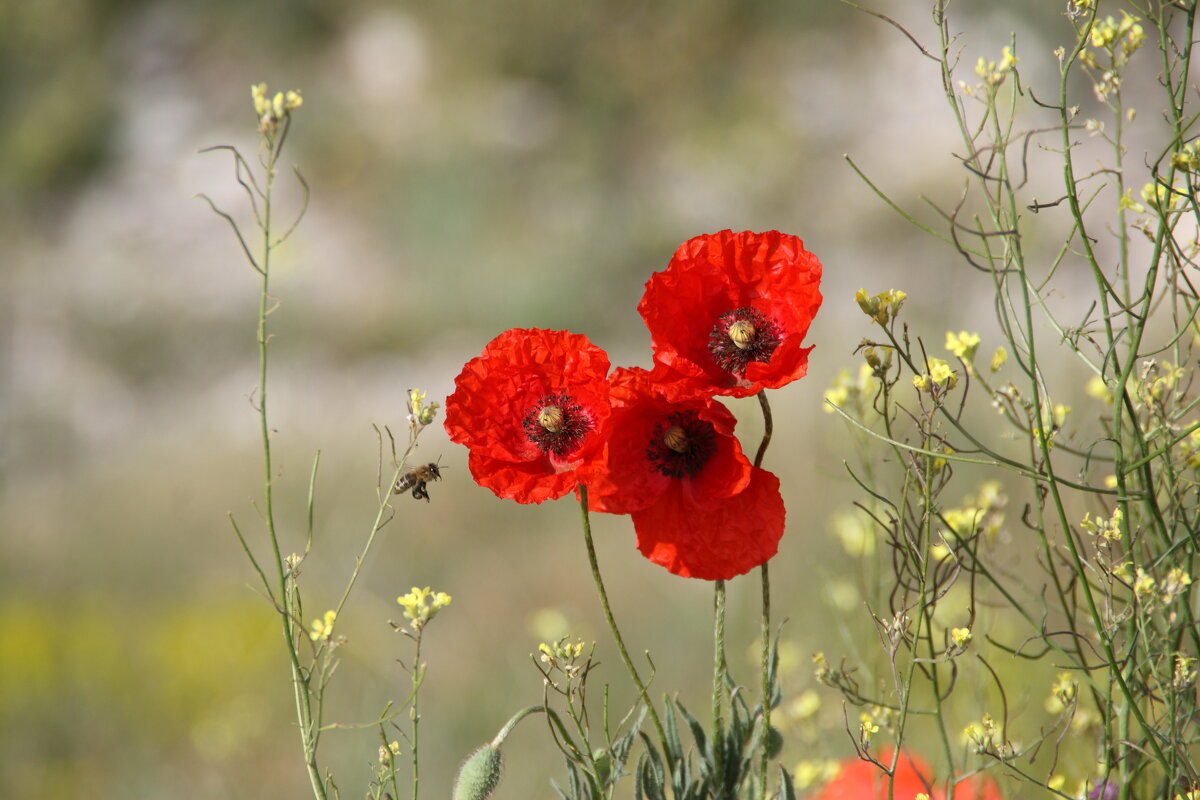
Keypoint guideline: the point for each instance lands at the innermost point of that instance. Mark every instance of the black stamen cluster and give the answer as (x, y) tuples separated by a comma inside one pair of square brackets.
[(575, 425), (701, 442), (726, 352)]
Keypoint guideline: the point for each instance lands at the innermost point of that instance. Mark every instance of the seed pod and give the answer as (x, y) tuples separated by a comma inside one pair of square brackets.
[(479, 774)]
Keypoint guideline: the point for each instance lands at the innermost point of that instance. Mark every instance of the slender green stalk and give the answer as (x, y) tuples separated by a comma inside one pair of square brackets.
[(765, 624), (414, 714), (764, 741), (300, 683), (719, 672), (612, 623)]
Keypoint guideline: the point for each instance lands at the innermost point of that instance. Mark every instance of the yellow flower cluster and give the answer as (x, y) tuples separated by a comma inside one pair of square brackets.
[(981, 513), (1175, 584), (1062, 694), (420, 413), (881, 307), (998, 358), (1188, 157), (981, 736), (866, 728), (562, 654), (993, 73), (940, 376), (422, 605), (386, 754), (1185, 673), (821, 670), (961, 637), (962, 344), (1158, 196), (322, 629), (272, 110), (1127, 35), (852, 392), (1107, 529), (1158, 380), (1143, 586)]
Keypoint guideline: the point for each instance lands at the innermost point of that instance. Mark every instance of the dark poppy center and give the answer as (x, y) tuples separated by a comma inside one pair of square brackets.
[(556, 424), (680, 444), (741, 336)]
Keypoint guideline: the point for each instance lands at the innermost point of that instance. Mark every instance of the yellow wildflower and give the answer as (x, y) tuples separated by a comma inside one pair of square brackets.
[(322, 629), (866, 728), (998, 358), (1143, 586), (422, 605), (960, 637), (962, 344), (1062, 693), (1175, 584), (941, 374), (881, 307)]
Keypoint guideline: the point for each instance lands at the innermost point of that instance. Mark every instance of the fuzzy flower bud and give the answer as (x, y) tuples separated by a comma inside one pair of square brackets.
[(479, 775)]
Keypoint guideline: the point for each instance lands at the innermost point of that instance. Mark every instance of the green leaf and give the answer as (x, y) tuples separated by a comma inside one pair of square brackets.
[(786, 790)]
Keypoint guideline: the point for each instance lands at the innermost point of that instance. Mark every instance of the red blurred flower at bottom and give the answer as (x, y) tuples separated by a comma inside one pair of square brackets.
[(698, 507), (862, 780)]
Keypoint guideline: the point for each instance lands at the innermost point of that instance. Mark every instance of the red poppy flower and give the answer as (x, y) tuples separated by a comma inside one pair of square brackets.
[(729, 313), (862, 780), (698, 507), (533, 409)]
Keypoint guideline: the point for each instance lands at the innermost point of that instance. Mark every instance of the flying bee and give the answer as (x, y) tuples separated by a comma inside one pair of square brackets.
[(418, 478)]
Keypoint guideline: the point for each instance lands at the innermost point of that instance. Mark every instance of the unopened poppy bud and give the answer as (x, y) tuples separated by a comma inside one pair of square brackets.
[(741, 333), (774, 742), (603, 762), (676, 438), (551, 418), (479, 774)]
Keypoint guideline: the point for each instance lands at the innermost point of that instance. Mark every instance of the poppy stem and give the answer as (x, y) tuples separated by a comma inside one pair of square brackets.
[(719, 670), (768, 427), (616, 632), (765, 632), (764, 742)]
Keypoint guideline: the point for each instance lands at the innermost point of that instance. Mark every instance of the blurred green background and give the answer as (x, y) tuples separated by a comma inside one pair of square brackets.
[(475, 166)]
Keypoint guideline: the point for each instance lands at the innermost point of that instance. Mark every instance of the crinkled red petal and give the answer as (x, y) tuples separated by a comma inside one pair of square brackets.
[(716, 542), (715, 273), (496, 390), (523, 481), (629, 482)]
